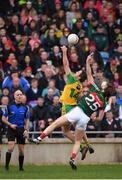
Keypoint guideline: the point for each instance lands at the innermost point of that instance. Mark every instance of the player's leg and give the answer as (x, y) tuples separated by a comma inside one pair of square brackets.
[(78, 137), (85, 139), (57, 123), (77, 117), (70, 117), (84, 148), (90, 148), (87, 147), (21, 144), (11, 143), (67, 132), (66, 128), (21, 156)]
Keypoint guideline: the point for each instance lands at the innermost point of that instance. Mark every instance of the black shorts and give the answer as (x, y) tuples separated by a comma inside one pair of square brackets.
[(16, 134)]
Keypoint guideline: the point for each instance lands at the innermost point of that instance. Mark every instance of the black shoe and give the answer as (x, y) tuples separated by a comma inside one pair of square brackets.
[(84, 152), (21, 169), (91, 150), (72, 164)]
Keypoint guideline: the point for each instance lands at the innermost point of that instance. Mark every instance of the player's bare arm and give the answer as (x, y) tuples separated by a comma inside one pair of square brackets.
[(89, 61), (27, 124), (25, 133), (102, 112), (65, 60)]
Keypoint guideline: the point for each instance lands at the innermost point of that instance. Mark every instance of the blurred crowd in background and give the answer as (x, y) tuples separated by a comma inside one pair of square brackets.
[(31, 34)]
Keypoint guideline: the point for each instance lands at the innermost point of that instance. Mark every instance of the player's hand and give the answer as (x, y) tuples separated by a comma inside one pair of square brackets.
[(93, 116), (90, 59), (112, 100), (25, 133), (64, 48), (13, 126)]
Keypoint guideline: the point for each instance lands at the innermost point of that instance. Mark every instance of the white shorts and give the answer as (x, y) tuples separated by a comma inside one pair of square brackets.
[(78, 118)]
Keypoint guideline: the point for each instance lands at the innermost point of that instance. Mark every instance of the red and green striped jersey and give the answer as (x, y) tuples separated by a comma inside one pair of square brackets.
[(93, 101)]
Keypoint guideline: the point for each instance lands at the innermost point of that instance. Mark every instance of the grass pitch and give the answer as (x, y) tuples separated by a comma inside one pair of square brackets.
[(63, 172)]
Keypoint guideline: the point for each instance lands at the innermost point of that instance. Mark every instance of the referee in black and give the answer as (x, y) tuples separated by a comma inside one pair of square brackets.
[(16, 117)]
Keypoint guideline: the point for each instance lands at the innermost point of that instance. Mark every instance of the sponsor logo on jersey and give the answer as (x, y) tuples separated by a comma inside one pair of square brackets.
[(78, 87)]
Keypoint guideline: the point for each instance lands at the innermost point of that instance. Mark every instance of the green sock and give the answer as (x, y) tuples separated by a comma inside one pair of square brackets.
[(81, 145)]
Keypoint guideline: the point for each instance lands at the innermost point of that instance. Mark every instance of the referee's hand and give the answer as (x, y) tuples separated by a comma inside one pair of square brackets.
[(25, 134), (13, 126)]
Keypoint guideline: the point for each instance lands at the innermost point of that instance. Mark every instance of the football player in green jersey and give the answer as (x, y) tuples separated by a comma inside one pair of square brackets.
[(69, 97), (79, 116)]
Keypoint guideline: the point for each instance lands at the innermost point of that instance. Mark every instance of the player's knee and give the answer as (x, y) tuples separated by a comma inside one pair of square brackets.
[(10, 150), (65, 130), (21, 153)]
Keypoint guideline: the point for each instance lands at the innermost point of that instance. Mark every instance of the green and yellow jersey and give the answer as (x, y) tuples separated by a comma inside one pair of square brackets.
[(70, 93), (94, 100)]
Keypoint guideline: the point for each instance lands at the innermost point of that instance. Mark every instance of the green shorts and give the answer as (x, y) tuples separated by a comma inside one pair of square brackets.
[(66, 108)]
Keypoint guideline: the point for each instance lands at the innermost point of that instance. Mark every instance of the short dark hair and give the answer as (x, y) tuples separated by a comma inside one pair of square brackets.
[(109, 91), (19, 89), (13, 71), (83, 76), (3, 97), (6, 88), (40, 97)]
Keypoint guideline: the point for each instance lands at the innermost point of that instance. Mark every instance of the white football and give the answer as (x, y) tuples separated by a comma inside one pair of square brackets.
[(73, 39)]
